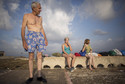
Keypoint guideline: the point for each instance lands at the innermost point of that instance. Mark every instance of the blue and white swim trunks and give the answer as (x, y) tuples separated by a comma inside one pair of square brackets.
[(35, 40)]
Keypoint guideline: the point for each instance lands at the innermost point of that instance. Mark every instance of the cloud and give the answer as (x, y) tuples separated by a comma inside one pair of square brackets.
[(13, 6), (109, 39), (12, 48), (4, 18), (57, 16), (100, 32), (102, 9), (108, 44)]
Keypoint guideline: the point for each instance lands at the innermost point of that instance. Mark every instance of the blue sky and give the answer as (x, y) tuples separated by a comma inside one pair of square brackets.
[(102, 21)]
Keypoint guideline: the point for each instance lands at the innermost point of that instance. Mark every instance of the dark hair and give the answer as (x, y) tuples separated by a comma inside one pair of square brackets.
[(86, 41), (66, 38)]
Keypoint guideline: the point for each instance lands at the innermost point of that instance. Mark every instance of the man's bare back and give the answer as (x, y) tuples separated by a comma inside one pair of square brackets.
[(34, 23)]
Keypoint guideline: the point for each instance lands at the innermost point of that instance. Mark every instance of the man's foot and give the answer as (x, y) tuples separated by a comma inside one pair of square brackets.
[(28, 81), (42, 79), (72, 69)]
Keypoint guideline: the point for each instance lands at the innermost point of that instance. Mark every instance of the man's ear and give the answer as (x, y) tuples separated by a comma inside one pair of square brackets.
[(33, 8)]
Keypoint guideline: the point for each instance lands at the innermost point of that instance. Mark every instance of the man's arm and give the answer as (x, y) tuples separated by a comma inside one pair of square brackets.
[(23, 32), (42, 30)]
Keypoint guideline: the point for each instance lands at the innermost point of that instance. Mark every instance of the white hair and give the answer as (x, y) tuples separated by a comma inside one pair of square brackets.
[(34, 4)]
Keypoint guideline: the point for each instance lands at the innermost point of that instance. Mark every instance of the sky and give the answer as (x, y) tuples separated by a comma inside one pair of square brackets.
[(101, 21)]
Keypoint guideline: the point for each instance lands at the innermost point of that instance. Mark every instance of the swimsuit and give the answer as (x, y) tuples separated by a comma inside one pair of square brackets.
[(67, 50), (35, 40)]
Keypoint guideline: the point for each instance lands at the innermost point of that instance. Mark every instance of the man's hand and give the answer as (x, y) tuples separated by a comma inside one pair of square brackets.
[(25, 45), (46, 42)]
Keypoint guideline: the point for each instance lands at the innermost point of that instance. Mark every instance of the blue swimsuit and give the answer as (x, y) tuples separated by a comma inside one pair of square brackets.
[(67, 50), (35, 40)]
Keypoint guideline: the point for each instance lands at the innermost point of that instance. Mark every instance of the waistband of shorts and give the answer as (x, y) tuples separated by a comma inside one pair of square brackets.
[(33, 31)]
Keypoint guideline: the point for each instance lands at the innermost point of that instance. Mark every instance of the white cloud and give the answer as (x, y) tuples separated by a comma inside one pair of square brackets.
[(100, 32), (4, 18), (13, 6), (12, 48), (57, 16), (103, 9), (109, 39), (53, 47)]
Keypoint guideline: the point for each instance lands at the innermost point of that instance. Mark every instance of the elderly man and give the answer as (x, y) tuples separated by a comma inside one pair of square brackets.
[(35, 39)]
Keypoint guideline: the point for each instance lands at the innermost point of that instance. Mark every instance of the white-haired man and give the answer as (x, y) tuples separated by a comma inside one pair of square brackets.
[(34, 40)]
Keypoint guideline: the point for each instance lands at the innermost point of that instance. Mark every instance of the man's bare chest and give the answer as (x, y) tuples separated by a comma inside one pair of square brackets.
[(34, 20)]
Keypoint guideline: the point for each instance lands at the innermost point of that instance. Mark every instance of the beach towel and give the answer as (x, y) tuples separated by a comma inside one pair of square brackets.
[(118, 53), (112, 53), (99, 55), (77, 54), (123, 52), (82, 53), (95, 54)]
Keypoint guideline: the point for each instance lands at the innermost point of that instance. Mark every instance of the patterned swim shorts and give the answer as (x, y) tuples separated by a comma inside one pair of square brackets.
[(35, 40)]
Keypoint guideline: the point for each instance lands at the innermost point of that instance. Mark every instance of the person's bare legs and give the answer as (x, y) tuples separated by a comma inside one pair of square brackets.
[(39, 63), (73, 59), (31, 57), (68, 60), (39, 67), (93, 62), (90, 61)]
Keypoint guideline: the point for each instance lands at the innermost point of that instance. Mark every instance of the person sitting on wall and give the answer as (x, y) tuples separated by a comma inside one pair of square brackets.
[(66, 52), (88, 49)]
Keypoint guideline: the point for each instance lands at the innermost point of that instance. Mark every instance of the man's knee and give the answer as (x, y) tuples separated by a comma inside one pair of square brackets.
[(31, 56), (39, 55)]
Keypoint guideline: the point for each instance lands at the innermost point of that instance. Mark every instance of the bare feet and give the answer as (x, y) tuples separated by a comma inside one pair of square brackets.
[(94, 67), (90, 68)]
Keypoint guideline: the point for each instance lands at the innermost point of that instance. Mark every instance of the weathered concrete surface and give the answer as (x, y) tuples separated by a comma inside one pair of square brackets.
[(58, 76), (98, 76), (101, 60)]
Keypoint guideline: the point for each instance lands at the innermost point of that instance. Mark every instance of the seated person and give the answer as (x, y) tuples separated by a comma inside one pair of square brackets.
[(88, 49), (66, 52)]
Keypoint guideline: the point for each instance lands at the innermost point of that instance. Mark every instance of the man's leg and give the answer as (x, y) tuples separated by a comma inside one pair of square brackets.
[(31, 57), (39, 67), (39, 63)]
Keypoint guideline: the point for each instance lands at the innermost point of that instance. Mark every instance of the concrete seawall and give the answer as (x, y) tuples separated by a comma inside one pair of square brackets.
[(103, 61)]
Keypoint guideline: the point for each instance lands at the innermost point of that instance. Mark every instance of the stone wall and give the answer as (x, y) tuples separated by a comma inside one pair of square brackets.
[(103, 61)]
